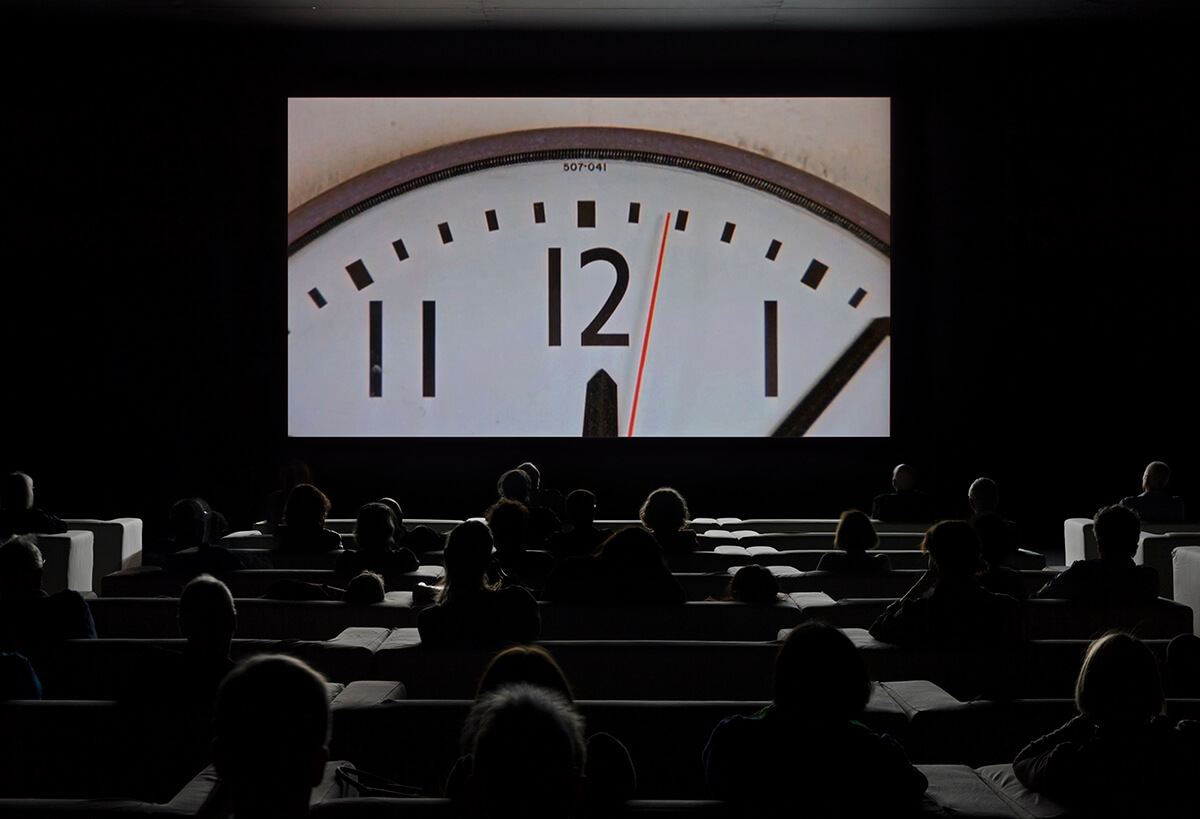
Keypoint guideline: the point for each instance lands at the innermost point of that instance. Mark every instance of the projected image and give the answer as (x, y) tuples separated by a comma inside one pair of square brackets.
[(594, 274)]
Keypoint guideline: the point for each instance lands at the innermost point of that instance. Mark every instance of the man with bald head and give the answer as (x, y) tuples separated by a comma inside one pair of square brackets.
[(905, 504), (1154, 505)]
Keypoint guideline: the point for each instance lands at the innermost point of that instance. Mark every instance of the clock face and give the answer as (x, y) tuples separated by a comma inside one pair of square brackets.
[(588, 281)]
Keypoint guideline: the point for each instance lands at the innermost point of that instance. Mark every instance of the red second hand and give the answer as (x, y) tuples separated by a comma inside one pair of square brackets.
[(637, 390)]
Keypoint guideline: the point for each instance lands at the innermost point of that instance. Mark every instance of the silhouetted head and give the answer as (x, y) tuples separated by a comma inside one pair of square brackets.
[(581, 508), (665, 510), (16, 491), (364, 589), (397, 512), (953, 547), (306, 508), (1155, 478), (189, 522), (466, 560), (984, 496), (819, 673), (904, 478), (1119, 682), (20, 567), (271, 735), (631, 549), (207, 614), (855, 532), (293, 473), (524, 664), (1117, 529), (375, 528), (535, 475), (754, 584), (528, 753), (509, 522), (515, 485)]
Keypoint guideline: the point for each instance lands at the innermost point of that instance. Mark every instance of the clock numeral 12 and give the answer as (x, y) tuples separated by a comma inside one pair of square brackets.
[(591, 335)]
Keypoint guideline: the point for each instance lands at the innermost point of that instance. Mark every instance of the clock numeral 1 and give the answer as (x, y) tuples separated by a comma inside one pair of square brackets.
[(375, 347), (428, 337), (771, 348)]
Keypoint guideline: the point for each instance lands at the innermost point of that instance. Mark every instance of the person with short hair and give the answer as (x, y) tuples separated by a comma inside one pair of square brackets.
[(1113, 577), (905, 503), (270, 738), (754, 584), (1154, 505), (375, 548), (808, 747), (32, 621), (854, 537), (18, 515), (579, 535), (947, 606), (1121, 756), (628, 569), (528, 754)]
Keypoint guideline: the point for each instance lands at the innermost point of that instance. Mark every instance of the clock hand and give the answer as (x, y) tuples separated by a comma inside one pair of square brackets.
[(810, 407), (637, 390), (600, 407)]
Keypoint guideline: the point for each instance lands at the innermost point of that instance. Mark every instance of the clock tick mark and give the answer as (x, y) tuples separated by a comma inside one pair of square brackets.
[(727, 233), (317, 298), (539, 212), (401, 250), (586, 213), (773, 250), (444, 229), (635, 212), (815, 273), (681, 220), (375, 349), (492, 223), (359, 275), (857, 298)]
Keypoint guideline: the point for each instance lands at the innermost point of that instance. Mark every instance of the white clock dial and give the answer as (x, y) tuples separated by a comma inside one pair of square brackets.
[(482, 298)]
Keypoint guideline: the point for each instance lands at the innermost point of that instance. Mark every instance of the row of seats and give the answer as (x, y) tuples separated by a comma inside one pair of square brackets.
[(599, 669), (141, 617)]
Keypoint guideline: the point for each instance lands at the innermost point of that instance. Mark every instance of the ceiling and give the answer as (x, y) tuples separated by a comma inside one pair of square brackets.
[(752, 15)]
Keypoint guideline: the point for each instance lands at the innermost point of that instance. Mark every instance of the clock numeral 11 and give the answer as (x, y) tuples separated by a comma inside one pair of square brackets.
[(375, 349), (591, 335)]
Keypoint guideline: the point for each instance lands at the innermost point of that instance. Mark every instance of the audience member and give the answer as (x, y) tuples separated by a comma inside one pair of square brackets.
[(18, 515), (516, 485), (809, 747), (1113, 577), (665, 514), (628, 569), (192, 545), (997, 545), (528, 755), (303, 527), (31, 621), (291, 474), (905, 504), (947, 606), (609, 775), (376, 549), (755, 585), (18, 680), (270, 739), (540, 495), (418, 538), (471, 607), (580, 535), (509, 522), (1154, 505), (855, 536), (365, 589), (1120, 757)]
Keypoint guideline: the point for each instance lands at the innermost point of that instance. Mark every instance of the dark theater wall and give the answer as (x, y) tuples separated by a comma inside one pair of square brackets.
[(1043, 295)]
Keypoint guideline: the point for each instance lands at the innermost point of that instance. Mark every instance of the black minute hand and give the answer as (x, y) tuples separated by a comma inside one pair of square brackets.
[(810, 407)]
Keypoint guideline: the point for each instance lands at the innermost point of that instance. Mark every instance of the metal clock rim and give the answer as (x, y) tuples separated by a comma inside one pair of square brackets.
[(822, 198)]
